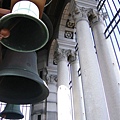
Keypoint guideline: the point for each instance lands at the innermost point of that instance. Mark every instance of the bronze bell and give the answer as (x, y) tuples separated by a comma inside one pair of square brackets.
[(48, 23), (22, 30), (19, 79), (11, 111)]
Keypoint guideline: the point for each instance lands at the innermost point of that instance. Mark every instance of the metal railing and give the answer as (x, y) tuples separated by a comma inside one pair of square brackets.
[(112, 31)]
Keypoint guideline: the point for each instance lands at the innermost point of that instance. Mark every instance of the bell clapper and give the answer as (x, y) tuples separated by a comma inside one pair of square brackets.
[(4, 116), (5, 32)]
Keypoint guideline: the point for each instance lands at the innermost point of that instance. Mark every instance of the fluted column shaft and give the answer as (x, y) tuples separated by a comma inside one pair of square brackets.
[(78, 100), (108, 68), (63, 94), (95, 102)]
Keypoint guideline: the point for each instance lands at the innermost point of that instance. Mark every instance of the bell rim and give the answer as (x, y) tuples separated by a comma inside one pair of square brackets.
[(37, 79), (39, 21), (48, 23), (19, 116)]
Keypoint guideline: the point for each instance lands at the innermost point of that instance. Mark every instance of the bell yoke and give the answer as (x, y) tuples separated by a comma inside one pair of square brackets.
[(40, 4)]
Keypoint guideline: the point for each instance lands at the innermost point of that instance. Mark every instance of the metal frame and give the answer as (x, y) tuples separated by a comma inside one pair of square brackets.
[(112, 30)]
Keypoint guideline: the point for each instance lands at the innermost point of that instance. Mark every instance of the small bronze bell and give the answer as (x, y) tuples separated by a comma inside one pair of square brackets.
[(11, 111)]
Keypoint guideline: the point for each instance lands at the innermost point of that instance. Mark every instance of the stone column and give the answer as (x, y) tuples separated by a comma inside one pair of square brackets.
[(108, 68), (63, 94), (78, 100), (95, 102)]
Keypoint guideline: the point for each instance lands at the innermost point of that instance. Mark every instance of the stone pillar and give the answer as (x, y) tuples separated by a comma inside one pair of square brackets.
[(95, 102), (109, 71), (78, 100), (63, 94)]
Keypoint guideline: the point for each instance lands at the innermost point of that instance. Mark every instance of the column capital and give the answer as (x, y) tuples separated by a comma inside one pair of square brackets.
[(95, 17), (61, 55), (73, 56), (80, 13), (51, 78)]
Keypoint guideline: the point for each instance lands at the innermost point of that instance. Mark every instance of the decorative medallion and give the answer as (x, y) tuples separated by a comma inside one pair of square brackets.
[(70, 24), (68, 34)]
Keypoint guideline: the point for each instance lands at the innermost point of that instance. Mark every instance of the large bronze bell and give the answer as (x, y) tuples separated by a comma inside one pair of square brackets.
[(48, 23), (19, 79), (12, 111), (22, 29)]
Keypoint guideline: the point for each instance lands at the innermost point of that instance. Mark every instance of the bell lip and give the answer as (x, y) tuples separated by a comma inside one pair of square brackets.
[(28, 75), (39, 21), (48, 23), (17, 115)]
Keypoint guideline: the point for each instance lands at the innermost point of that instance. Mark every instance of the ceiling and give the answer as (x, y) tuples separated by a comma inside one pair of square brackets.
[(53, 11)]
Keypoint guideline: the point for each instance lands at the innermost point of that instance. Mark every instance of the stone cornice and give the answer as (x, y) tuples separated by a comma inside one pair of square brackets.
[(66, 44), (86, 3)]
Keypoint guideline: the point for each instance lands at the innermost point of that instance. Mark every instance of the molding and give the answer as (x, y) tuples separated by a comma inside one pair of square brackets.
[(86, 3), (38, 112), (66, 44), (52, 70)]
